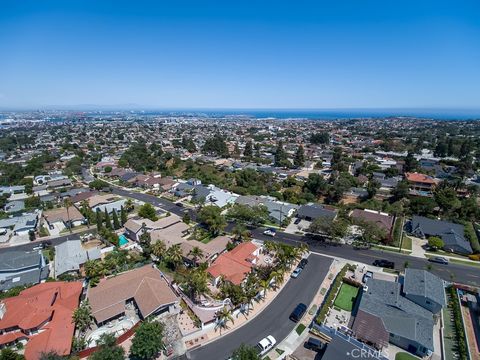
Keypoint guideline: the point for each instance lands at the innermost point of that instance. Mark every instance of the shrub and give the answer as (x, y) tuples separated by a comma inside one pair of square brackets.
[(454, 304)]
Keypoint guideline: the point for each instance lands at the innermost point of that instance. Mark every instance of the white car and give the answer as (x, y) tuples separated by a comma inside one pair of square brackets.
[(266, 344), (269, 232), (296, 272)]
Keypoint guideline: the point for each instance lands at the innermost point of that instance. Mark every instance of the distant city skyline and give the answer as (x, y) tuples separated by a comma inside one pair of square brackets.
[(307, 55)]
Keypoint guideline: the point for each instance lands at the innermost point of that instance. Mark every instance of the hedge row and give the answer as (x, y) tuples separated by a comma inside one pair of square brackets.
[(328, 301), (472, 236), (458, 323)]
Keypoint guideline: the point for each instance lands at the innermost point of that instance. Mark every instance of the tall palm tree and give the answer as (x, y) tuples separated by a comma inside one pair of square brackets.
[(241, 232), (174, 255), (82, 316), (67, 203), (264, 286), (196, 253), (278, 276), (270, 246), (159, 249), (223, 317)]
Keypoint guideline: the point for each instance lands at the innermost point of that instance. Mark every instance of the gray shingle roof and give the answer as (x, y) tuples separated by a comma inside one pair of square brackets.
[(452, 234), (425, 284), (400, 315), (315, 211)]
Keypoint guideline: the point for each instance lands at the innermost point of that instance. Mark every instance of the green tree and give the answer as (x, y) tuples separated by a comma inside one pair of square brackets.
[(196, 253), (315, 184), (98, 184), (51, 355), (245, 352), (215, 145), (211, 216), (372, 188), (223, 317), (248, 151), (400, 191), (411, 164), (123, 215), (335, 229), (299, 159), (253, 215), (108, 222), (82, 316), (158, 249), (281, 157), (147, 211), (9, 354), (446, 198), (196, 283), (145, 242), (186, 218), (99, 220), (148, 341), (174, 255), (320, 138), (436, 242), (108, 349), (116, 222)]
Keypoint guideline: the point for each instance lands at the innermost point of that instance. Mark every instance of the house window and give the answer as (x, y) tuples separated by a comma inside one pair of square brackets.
[(428, 302)]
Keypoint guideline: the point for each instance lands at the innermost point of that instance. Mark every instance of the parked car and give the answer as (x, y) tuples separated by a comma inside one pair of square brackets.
[(366, 276), (270, 232), (314, 344), (384, 263), (179, 204), (266, 344), (297, 221), (298, 312), (296, 272), (439, 260), (303, 263)]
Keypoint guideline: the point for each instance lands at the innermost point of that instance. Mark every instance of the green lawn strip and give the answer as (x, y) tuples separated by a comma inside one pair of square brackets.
[(407, 243), (346, 297), (300, 328), (405, 356)]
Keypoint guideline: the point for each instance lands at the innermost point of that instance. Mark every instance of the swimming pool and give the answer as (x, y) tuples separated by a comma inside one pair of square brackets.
[(122, 240)]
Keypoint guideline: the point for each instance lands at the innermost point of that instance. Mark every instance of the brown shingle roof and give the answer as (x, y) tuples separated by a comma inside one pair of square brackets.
[(145, 285)]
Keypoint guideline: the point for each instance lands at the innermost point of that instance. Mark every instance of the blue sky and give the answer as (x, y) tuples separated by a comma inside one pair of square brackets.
[(240, 54)]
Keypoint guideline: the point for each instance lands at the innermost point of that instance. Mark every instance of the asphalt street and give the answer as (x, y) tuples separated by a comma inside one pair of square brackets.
[(274, 319), (451, 272)]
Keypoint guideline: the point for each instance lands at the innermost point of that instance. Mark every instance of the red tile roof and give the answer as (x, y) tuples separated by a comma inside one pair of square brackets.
[(47, 307), (420, 178), (234, 265)]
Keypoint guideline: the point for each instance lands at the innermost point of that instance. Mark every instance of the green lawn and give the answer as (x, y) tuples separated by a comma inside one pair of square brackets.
[(405, 356), (346, 297)]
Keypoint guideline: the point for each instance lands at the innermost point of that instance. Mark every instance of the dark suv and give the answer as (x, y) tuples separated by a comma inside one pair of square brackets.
[(314, 344), (303, 263), (384, 263), (299, 311)]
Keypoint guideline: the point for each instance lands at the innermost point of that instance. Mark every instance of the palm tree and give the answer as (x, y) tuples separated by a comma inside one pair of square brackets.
[(241, 232), (278, 276), (128, 204), (82, 316), (67, 203), (270, 246), (223, 317), (264, 286), (158, 249), (175, 255), (196, 283), (196, 253)]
